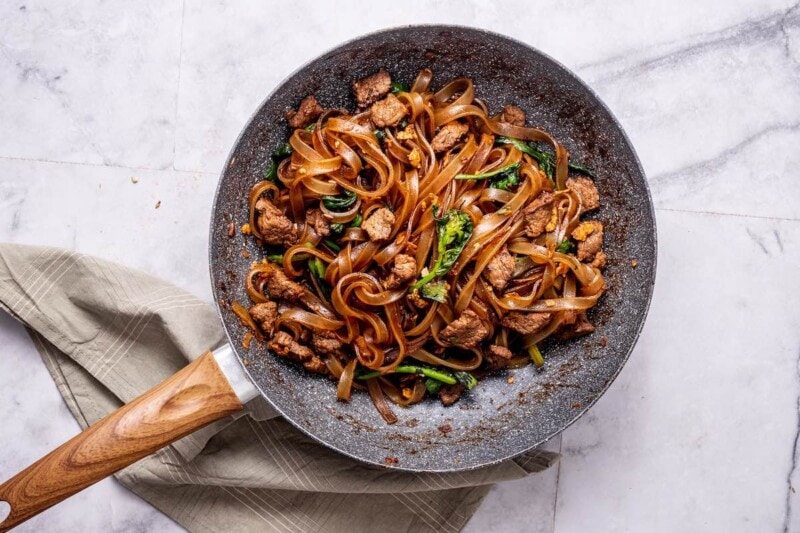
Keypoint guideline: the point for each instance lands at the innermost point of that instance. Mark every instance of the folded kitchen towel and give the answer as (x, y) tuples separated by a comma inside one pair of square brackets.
[(108, 333)]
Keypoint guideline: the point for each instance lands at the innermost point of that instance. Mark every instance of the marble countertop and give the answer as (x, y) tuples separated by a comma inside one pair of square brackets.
[(699, 432)]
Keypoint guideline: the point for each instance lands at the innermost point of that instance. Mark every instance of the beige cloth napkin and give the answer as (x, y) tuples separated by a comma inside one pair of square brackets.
[(108, 333)]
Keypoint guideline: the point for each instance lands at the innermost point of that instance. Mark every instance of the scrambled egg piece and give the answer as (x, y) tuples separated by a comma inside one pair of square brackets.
[(583, 231), (415, 158), (553, 221), (407, 134)]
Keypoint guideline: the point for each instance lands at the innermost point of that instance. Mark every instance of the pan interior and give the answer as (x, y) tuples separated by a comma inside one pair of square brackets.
[(497, 420)]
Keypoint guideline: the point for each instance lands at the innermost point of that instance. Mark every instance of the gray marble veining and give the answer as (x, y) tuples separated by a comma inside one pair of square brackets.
[(699, 432)]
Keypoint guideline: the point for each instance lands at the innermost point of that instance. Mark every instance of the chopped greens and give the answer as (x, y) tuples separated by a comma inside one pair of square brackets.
[(311, 127), (436, 290), (271, 172), (282, 151), (433, 386), (275, 258), (566, 247), (466, 379), (337, 227), (439, 375), (490, 174), (536, 355), (380, 135), (398, 87), (317, 267), (332, 245), (453, 230), (546, 160), (501, 178), (356, 223), (340, 201)]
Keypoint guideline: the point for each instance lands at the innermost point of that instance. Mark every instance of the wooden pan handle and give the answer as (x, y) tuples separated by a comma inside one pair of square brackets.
[(194, 397)]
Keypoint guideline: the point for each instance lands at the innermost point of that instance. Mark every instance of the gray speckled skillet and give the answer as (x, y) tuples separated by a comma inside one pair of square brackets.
[(497, 420)]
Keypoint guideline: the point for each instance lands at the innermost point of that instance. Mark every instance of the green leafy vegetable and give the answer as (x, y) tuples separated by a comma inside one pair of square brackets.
[(536, 355), (380, 135), (439, 375), (311, 127), (398, 87), (337, 227), (490, 174), (433, 386), (403, 124), (332, 245), (356, 223), (506, 180), (453, 230), (275, 258), (436, 290), (340, 202), (566, 247), (546, 160), (282, 151), (466, 379), (317, 267), (271, 172)]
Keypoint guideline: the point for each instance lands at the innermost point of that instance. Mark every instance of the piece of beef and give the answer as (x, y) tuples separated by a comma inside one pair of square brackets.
[(581, 327), (307, 112), (284, 345), (448, 135), (590, 239), (265, 314), (599, 260), (372, 88), (281, 287), (466, 331), (497, 357), (387, 112), (525, 322), (379, 224), (538, 214), (449, 394), (512, 115), (316, 365), (404, 269), (317, 220), (586, 190), (325, 342), (500, 269), (274, 226)]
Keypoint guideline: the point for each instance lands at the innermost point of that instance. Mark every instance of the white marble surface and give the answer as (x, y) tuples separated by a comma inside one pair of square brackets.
[(700, 431)]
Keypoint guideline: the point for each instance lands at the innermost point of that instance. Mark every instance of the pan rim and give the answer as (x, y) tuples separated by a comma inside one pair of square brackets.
[(650, 285)]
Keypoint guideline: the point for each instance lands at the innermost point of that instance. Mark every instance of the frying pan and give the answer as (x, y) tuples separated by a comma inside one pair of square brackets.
[(498, 419)]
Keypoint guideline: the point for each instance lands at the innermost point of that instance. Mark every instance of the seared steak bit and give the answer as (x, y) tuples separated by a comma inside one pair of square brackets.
[(265, 314), (538, 214), (512, 115), (325, 342), (586, 190), (284, 345), (449, 394), (525, 322), (498, 356), (387, 112), (282, 288), (372, 88), (500, 269), (599, 260), (403, 270), (274, 226), (466, 331), (307, 112), (581, 327), (317, 220), (379, 224), (590, 239), (448, 136), (316, 365)]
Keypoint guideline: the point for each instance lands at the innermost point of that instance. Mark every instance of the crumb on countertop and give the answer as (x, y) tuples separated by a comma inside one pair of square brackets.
[(158, 204), (134, 179)]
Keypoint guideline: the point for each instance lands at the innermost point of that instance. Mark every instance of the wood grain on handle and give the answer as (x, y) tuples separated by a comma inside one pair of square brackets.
[(194, 397)]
